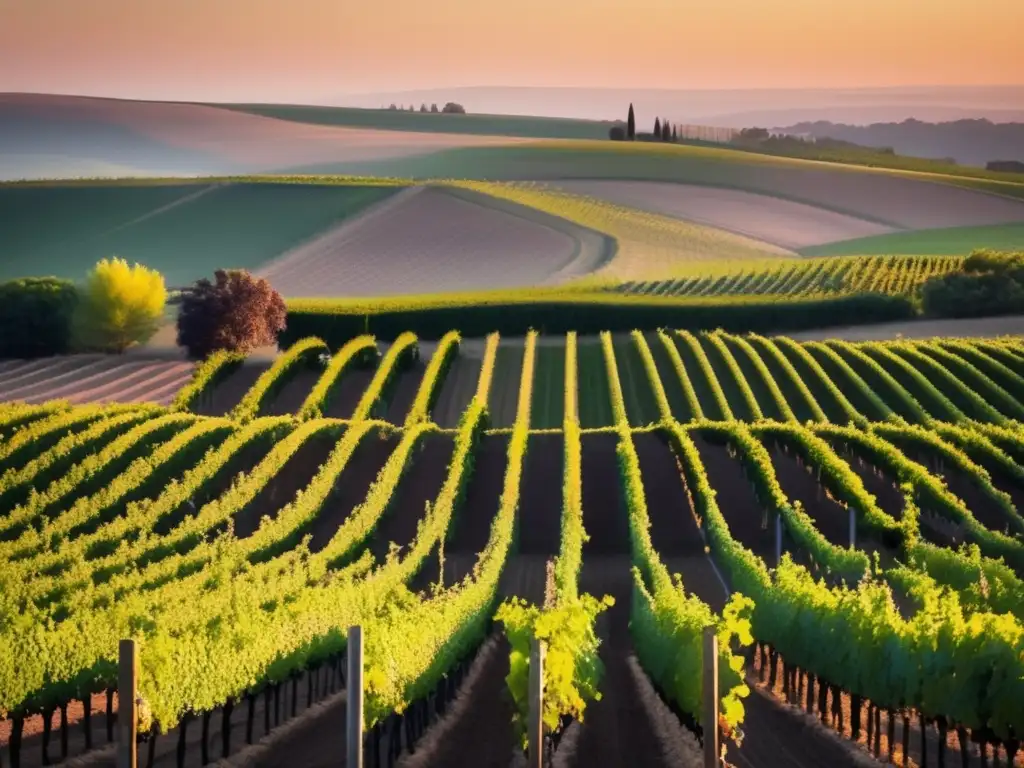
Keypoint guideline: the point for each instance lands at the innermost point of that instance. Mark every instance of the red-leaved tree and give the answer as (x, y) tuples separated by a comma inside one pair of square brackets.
[(236, 312)]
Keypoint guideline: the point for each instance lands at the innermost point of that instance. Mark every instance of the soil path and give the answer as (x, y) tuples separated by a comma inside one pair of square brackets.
[(540, 499), (348, 391), (225, 395), (458, 388), (293, 394), (477, 730), (403, 391), (352, 487), (471, 528), (616, 730), (420, 485), (296, 474), (749, 523), (503, 398)]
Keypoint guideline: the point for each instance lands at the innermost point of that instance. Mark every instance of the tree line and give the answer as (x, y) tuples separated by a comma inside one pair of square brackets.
[(451, 108), (663, 130)]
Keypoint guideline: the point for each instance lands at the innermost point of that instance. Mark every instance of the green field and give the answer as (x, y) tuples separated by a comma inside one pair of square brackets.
[(183, 230), (713, 166), (398, 120), (952, 241)]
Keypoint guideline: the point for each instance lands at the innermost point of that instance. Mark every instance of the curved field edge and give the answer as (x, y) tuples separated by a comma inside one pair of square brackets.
[(1011, 185), (648, 243), (1005, 184), (594, 247), (945, 241), (553, 159)]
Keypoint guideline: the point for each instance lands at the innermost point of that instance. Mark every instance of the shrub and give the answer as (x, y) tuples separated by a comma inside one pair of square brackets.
[(237, 312), (119, 306), (960, 295), (992, 283), (451, 108), (617, 133), (985, 260), (35, 316)]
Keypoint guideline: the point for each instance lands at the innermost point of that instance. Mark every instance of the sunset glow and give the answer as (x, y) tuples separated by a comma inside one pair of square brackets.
[(308, 49)]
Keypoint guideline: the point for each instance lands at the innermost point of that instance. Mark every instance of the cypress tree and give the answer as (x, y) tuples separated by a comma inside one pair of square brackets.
[(631, 125), (657, 128), (675, 135)]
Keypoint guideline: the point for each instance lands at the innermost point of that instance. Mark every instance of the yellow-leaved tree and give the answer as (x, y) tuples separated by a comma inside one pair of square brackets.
[(120, 305)]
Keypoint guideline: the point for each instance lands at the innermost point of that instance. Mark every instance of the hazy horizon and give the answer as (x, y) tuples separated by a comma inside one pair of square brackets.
[(320, 51), (735, 108)]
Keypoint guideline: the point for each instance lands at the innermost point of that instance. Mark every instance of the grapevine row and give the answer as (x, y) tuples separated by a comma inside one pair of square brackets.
[(306, 352)]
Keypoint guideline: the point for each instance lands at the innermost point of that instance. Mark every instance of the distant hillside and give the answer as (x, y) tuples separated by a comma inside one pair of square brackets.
[(61, 136), (415, 120), (969, 142), (55, 136)]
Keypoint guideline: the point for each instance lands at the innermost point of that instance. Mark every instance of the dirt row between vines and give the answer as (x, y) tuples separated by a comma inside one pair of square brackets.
[(503, 399), (458, 388), (617, 730)]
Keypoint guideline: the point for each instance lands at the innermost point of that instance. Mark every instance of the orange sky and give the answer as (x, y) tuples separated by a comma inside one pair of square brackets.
[(306, 49)]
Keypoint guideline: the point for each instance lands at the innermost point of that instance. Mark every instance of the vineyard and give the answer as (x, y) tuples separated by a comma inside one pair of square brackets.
[(890, 275), (845, 515)]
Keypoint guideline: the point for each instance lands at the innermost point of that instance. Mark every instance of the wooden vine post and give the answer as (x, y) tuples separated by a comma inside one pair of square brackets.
[(853, 528), (535, 721), (709, 705), (354, 704), (127, 715)]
